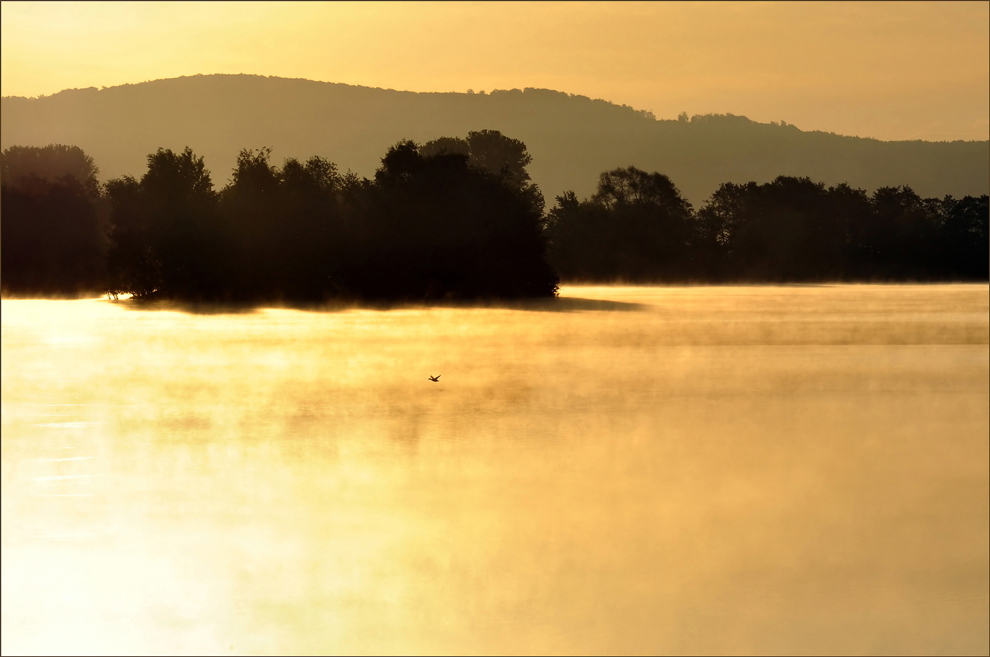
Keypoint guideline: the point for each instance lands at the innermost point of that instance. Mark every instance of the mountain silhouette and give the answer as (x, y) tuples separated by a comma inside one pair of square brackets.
[(572, 138)]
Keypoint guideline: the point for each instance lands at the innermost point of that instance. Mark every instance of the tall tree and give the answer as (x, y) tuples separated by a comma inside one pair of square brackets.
[(495, 153), (437, 226), (52, 163), (164, 231), (53, 237), (637, 226)]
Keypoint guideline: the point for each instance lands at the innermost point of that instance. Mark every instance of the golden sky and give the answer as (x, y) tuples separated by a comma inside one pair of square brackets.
[(885, 70)]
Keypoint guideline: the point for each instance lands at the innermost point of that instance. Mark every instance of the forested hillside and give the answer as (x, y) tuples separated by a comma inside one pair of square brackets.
[(572, 138)]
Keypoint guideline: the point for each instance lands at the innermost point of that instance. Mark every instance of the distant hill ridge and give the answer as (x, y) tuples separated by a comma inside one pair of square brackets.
[(572, 138)]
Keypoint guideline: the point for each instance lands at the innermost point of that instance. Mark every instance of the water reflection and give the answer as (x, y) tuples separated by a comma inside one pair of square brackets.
[(719, 470)]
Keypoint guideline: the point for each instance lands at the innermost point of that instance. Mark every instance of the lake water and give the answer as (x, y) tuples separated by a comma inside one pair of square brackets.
[(798, 469)]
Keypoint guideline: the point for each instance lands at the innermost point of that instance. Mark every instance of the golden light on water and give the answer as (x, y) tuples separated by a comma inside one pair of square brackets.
[(635, 470)]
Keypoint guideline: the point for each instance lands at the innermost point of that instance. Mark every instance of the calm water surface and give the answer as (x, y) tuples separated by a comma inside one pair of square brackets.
[(660, 470)]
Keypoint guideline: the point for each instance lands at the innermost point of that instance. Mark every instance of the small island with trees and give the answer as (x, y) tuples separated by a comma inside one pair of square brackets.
[(450, 219)]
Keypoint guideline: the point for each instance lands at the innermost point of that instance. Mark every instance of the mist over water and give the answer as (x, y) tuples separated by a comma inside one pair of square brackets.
[(624, 469)]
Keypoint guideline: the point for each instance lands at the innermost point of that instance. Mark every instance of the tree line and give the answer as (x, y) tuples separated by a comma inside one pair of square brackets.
[(451, 219), (53, 222), (454, 218), (637, 227)]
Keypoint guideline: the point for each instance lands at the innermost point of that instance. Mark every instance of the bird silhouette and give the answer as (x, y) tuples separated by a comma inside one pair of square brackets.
[(436, 378)]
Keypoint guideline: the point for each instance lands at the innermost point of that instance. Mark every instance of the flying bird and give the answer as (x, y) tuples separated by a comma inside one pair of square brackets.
[(436, 378)]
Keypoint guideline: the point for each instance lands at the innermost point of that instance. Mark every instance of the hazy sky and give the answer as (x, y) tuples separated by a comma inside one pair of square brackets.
[(885, 70)]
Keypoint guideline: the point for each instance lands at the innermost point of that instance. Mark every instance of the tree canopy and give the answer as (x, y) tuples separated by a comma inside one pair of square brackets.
[(637, 227), (450, 219), (21, 166), (427, 227), (54, 237)]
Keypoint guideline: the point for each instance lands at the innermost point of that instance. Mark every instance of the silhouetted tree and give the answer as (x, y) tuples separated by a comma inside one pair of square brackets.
[(791, 229), (164, 231), (494, 152), (425, 228), (53, 233), (784, 230), (636, 227), (965, 233), (437, 227), (488, 150), (499, 155), (285, 225), (445, 145), (52, 163), (902, 234), (456, 218)]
